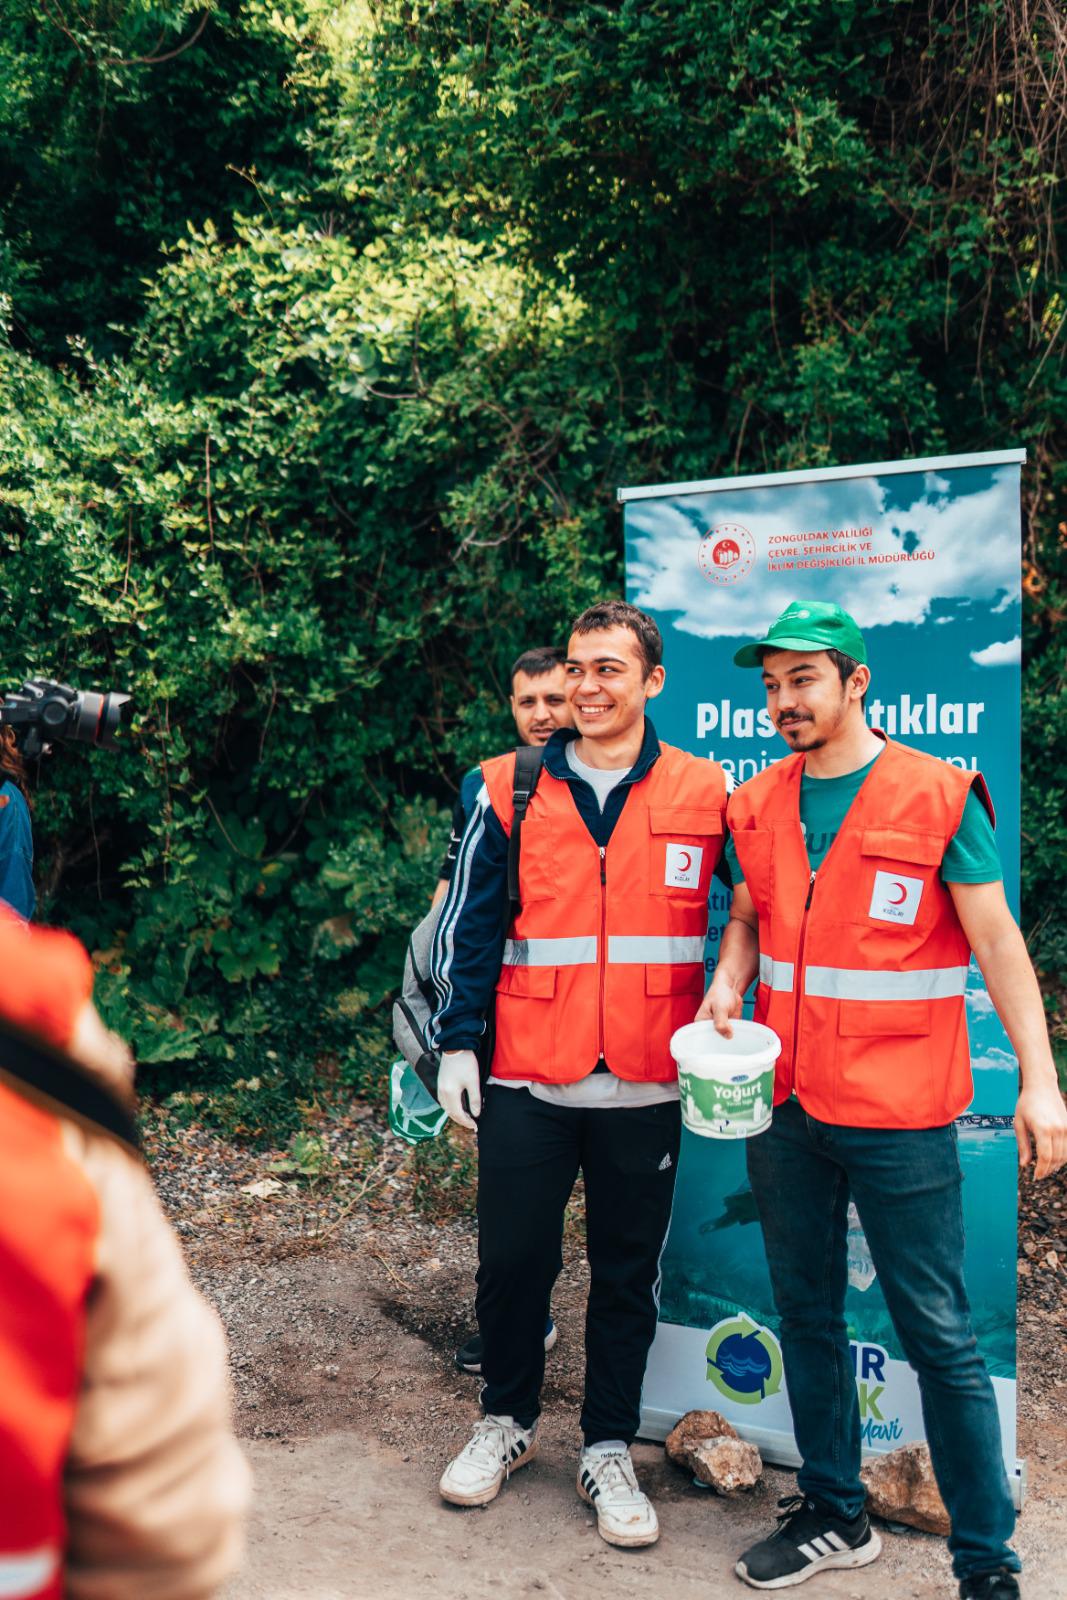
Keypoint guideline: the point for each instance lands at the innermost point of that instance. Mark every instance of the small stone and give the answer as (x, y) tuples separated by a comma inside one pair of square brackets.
[(695, 1426), (331, 1371), (901, 1488), (726, 1465)]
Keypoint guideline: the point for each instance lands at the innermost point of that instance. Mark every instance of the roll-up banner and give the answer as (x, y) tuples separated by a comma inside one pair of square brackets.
[(925, 554)]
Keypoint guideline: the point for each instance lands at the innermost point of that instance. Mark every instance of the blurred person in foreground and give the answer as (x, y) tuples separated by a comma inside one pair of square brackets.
[(120, 1478)]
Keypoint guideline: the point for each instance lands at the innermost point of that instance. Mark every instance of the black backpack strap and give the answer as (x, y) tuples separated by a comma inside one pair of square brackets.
[(52, 1080), (528, 762)]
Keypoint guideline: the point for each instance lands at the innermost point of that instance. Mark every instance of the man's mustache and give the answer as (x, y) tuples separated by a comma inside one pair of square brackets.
[(792, 717)]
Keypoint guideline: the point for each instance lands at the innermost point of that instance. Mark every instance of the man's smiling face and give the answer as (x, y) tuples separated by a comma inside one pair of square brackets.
[(607, 683)]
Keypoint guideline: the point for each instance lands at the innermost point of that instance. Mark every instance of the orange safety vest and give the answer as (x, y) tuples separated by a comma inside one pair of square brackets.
[(605, 958), (863, 964), (48, 1227)]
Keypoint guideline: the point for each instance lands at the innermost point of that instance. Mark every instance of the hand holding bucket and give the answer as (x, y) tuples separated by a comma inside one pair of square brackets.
[(727, 1085)]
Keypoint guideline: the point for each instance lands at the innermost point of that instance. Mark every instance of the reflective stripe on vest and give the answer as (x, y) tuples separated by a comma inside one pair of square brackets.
[(776, 974), (567, 952), (854, 983), (23, 1576), (861, 983), (661, 950), (627, 949)]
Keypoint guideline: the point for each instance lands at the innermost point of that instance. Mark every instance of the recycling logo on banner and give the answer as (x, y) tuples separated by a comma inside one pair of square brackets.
[(744, 1360)]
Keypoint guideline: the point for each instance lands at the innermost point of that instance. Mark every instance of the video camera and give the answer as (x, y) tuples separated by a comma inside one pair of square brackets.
[(43, 710)]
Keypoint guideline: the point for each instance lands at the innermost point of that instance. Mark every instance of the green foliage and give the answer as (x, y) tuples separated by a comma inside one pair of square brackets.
[(329, 335)]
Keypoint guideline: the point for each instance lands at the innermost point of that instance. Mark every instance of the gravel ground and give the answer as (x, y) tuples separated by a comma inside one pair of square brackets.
[(344, 1303)]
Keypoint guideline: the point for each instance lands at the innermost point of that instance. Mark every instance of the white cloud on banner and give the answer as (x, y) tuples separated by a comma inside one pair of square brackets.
[(1004, 653), (974, 537)]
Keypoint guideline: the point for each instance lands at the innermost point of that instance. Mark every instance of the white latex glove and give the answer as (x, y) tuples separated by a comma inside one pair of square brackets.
[(459, 1076)]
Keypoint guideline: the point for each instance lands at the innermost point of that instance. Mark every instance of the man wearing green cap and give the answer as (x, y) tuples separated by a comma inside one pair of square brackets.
[(865, 874)]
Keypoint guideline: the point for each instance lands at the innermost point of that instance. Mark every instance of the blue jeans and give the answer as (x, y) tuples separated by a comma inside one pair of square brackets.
[(906, 1185)]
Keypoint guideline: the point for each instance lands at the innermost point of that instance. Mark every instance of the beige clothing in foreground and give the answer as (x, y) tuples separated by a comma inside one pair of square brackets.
[(156, 1486)]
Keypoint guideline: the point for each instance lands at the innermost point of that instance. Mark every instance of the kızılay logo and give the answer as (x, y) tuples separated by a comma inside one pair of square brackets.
[(727, 553), (744, 1360)]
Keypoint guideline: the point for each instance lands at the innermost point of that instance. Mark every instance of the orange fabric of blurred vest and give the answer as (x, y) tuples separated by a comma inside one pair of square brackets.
[(863, 965), (48, 1228), (606, 956)]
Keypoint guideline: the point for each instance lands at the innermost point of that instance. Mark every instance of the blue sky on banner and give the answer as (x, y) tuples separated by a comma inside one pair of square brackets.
[(965, 518)]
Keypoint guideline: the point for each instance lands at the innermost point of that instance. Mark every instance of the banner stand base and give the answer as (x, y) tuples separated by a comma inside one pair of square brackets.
[(781, 1452)]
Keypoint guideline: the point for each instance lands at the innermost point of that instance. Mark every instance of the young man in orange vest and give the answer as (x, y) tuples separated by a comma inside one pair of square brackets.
[(539, 706), (602, 962), (865, 874)]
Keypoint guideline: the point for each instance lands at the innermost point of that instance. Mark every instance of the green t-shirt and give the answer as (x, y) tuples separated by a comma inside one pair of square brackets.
[(971, 857)]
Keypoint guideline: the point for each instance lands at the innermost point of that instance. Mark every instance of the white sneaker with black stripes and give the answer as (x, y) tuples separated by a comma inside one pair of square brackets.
[(624, 1513), (497, 1448), (807, 1540)]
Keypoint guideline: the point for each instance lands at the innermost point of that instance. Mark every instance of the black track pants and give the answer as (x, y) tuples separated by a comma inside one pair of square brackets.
[(529, 1154)]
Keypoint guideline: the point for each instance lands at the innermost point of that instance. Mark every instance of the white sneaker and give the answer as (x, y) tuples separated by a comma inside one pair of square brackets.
[(624, 1513), (497, 1448)]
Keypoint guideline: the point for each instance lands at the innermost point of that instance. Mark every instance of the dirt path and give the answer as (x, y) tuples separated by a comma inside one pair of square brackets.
[(352, 1417), (344, 1306)]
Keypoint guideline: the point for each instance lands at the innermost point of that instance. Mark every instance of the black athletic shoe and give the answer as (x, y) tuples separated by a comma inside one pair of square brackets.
[(998, 1585), (469, 1355), (807, 1540)]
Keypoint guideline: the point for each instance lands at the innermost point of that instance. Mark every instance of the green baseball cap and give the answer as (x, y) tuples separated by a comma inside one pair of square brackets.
[(808, 625)]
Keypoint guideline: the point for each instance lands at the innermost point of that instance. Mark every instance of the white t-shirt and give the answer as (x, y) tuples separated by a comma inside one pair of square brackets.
[(600, 1090), (600, 779)]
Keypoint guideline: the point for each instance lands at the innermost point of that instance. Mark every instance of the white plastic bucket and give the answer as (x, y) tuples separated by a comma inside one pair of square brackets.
[(727, 1085)]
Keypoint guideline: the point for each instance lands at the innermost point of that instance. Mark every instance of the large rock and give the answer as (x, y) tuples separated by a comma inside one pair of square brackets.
[(694, 1427), (706, 1445), (726, 1465), (901, 1488)]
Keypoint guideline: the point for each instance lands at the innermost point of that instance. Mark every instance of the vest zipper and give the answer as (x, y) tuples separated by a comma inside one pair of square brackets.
[(798, 977), (603, 946)]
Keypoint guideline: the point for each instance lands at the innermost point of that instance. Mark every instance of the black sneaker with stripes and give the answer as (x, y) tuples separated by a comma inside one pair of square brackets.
[(807, 1540)]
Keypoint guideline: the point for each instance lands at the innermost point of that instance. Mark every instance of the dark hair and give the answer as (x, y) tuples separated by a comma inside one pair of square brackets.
[(543, 658), (12, 766), (846, 666), (620, 614)]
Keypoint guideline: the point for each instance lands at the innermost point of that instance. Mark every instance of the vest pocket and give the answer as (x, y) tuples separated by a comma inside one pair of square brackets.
[(900, 844), (537, 861), (672, 994), (868, 1019), (754, 848), (678, 978), (527, 983), (684, 847)]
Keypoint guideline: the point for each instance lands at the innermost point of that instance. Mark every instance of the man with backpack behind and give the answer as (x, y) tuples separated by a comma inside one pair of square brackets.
[(539, 706), (591, 961), (538, 701)]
